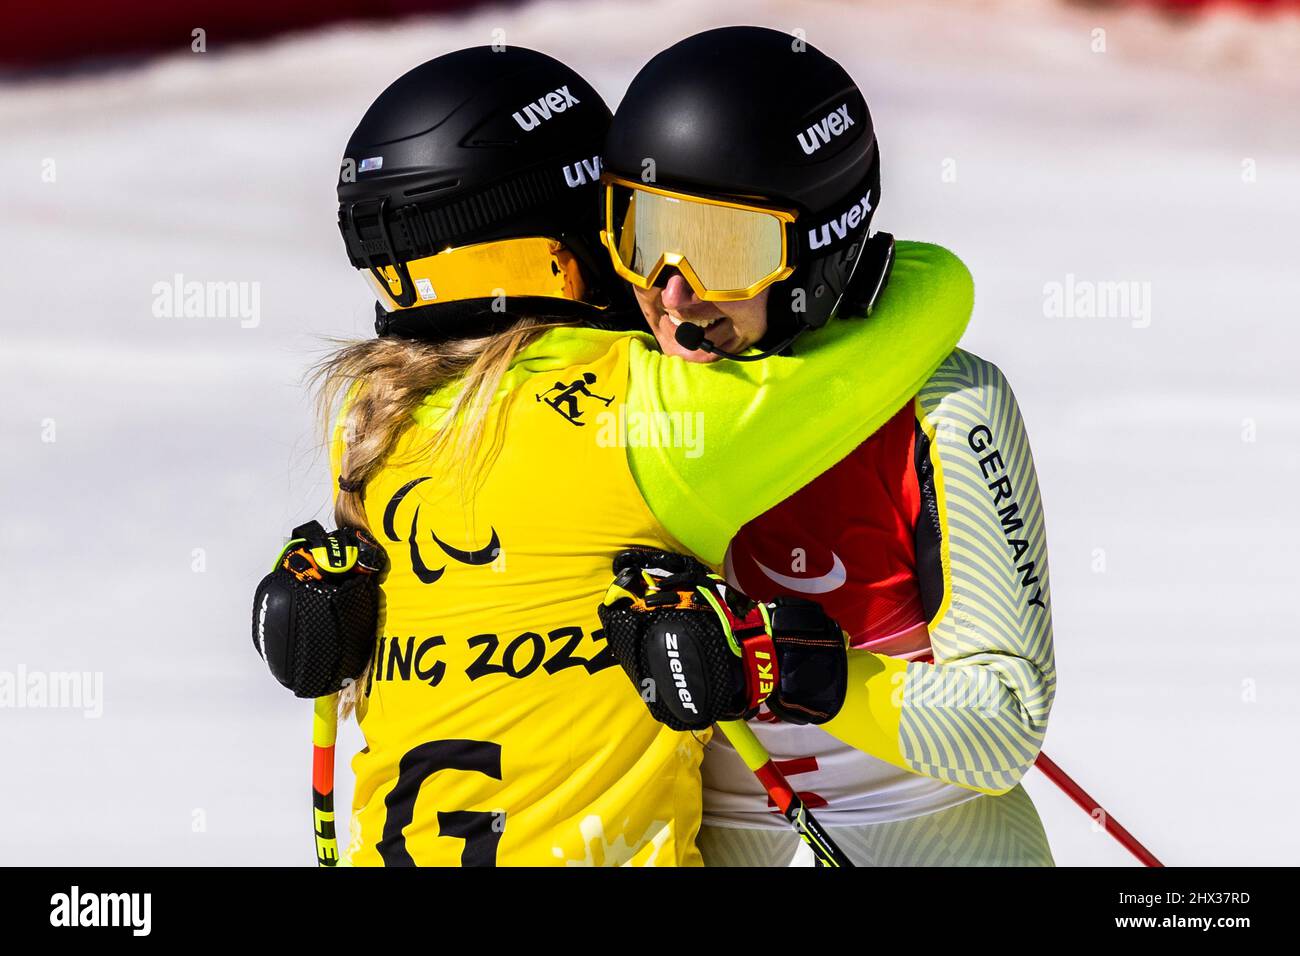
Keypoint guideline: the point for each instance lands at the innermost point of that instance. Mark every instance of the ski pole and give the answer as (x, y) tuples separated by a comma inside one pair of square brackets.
[(1092, 808), (1054, 773), (758, 760), (324, 731)]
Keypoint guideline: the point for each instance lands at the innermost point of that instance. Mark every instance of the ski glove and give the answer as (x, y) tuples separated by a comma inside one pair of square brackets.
[(316, 614), (699, 651)]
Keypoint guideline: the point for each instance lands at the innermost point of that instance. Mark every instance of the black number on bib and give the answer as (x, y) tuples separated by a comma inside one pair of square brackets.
[(564, 656), (480, 831), (527, 652), (483, 665), (534, 659)]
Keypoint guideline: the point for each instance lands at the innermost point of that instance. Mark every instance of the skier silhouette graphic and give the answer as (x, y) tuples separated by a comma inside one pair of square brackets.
[(568, 397)]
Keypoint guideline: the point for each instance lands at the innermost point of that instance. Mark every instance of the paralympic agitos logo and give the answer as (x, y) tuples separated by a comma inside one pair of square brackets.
[(423, 573)]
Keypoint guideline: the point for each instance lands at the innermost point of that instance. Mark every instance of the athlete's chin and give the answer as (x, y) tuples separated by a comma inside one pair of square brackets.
[(666, 333), (734, 344), (699, 355)]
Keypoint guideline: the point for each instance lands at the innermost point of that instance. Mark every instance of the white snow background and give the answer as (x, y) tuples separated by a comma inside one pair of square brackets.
[(1168, 453)]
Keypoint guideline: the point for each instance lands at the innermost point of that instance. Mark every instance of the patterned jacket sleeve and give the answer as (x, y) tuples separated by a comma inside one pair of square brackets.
[(977, 716)]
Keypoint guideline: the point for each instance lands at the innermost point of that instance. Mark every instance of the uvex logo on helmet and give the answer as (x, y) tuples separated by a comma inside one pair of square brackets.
[(544, 107), (841, 225), (825, 129), (582, 172)]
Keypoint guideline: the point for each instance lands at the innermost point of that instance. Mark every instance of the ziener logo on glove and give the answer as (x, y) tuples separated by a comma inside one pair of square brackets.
[(679, 678)]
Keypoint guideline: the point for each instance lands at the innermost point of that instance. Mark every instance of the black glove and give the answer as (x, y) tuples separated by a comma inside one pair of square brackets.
[(316, 614), (699, 651)]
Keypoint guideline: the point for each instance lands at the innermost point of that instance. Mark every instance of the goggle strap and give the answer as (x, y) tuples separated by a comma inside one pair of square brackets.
[(414, 231)]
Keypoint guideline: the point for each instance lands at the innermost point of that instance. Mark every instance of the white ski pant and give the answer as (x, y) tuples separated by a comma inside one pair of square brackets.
[(987, 831)]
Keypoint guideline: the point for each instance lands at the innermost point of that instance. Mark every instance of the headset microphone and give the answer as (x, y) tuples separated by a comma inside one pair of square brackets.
[(691, 337)]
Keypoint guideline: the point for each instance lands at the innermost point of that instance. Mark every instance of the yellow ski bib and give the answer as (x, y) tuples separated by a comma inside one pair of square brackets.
[(499, 728)]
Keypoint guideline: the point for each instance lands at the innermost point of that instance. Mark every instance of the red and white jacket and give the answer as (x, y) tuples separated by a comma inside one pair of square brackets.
[(914, 534)]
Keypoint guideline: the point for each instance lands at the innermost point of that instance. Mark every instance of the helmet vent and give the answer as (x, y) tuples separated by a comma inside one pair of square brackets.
[(431, 187)]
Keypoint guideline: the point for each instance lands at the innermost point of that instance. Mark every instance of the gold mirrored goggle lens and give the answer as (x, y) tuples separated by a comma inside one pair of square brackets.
[(725, 251), (534, 266)]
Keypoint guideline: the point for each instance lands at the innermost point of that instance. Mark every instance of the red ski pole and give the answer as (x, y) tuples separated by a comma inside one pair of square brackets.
[(1091, 807)]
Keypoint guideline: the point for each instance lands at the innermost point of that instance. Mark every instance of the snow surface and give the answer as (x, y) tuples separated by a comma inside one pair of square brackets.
[(1165, 451)]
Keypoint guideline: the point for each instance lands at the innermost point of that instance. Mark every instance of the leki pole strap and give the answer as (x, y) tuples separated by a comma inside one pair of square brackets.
[(751, 638)]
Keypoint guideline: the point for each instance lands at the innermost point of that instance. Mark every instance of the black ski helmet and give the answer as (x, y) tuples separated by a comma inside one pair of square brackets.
[(476, 146), (755, 113)]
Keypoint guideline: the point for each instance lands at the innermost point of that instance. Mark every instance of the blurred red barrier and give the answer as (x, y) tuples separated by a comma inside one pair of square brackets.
[(45, 33), (39, 33), (1198, 6)]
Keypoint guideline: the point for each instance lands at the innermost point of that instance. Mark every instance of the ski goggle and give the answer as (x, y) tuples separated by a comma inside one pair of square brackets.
[(532, 266), (725, 250)]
